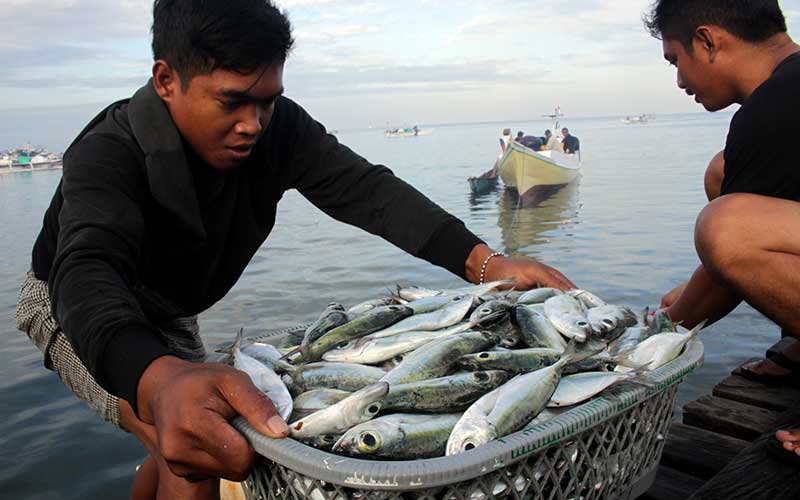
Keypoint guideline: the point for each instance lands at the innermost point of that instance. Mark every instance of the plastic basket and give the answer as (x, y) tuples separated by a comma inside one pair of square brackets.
[(606, 448)]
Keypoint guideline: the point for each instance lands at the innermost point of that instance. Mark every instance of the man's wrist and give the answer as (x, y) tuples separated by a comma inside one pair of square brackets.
[(475, 262), (161, 369)]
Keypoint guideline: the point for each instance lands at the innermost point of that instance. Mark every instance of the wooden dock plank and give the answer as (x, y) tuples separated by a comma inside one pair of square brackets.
[(780, 346), (728, 417), (671, 484), (699, 452), (740, 389)]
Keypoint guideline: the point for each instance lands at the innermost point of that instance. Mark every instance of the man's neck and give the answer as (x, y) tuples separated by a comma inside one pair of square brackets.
[(762, 59)]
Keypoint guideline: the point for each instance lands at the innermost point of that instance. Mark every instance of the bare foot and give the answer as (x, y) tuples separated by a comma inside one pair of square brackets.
[(790, 440), (766, 367)]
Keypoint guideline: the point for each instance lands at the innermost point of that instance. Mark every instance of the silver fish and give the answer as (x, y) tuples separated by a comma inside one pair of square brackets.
[(538, 295), (433, 303), (659, 349), (412, 293), (515, 361), (536, 330), (324, 375), (370, 350), (316, 399), (629, 339), (605, 319), (514, 404), (263, 377), (357, 408), (436, 359), (399, 436), (443, 395), (269, 355), (366, 306), (482, 289), (588, 299), (434, 320), (658, 320), (332, 317), (377, 319), (566, 314), (574, 389)]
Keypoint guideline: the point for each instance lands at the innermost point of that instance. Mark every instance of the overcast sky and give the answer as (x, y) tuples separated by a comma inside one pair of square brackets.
[(360, 63)]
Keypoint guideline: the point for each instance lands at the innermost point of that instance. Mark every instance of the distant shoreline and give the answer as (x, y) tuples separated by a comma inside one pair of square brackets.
[(13, 170)]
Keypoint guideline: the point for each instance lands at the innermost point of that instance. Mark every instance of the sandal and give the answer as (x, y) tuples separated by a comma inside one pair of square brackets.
[(791, 379), (776, 450)]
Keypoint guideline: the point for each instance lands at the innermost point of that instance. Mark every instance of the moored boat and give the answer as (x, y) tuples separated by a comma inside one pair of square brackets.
[(533, 173)]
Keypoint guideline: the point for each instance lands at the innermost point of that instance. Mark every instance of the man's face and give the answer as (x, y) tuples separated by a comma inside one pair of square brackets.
[(697, 75), (222, 115), (548, 134)]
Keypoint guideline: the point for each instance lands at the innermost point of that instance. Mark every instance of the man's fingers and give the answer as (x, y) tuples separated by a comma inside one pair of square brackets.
[(249, 402), (204, 466)]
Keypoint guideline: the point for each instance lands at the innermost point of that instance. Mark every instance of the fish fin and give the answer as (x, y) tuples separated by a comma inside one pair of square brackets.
[(237, 344)]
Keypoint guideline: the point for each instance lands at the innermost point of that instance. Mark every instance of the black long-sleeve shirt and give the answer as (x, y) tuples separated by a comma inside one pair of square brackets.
[(141, 231)]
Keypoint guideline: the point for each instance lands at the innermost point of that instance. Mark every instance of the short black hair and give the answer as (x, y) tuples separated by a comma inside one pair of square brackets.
[(751, 20), (198, 37)]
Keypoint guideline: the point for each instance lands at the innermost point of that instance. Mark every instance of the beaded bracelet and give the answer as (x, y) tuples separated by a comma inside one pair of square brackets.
[(486, 263)]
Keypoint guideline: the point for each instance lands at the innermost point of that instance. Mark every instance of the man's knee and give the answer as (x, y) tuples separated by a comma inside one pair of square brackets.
[(720, 234)]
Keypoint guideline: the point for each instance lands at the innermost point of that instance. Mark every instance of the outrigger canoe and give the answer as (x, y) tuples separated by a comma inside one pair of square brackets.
[(533, 174)]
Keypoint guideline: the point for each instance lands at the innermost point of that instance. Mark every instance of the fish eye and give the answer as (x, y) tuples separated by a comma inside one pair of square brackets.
[(374, 409), (483, 355), (468, 446), (328, 438), (582, 324), (608, 322), (368, 440)]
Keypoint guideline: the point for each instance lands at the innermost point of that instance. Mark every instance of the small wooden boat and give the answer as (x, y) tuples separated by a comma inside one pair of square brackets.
[(531, 172), (484, 183)]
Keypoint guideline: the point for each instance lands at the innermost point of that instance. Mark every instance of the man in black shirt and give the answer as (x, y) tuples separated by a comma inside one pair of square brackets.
[(570, 142), (165, 198), (748, 236)]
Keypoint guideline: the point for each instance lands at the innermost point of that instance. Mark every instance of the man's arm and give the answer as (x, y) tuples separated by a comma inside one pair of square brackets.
[(350, 189), (700, 298)]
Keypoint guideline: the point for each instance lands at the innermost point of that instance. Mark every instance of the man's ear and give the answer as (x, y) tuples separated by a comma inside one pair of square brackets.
[(708, 40), (165, 80)]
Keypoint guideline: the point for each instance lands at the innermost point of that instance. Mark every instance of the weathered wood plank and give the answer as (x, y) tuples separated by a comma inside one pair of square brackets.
[(728, 417), (672, 485), (740, 389), (699, 452), (780, 346)]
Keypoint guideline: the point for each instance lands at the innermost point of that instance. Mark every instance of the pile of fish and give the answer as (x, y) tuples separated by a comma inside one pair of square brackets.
[(423, 373)]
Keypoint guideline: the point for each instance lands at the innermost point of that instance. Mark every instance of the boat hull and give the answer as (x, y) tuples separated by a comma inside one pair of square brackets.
[(535, 174)]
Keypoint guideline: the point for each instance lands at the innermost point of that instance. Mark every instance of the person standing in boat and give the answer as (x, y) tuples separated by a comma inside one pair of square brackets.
[(165, 198), (570, 143), (748, 236), (549, 141)]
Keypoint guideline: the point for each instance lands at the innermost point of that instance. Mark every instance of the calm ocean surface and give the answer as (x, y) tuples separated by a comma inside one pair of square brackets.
[(623, 231)]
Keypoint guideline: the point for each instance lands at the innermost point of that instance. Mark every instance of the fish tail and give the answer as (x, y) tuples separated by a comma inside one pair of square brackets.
[(694, 331), (237, 344)]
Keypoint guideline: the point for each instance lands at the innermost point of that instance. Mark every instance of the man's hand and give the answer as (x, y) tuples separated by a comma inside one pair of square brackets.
[(526, 273), (190, 405), (672, 296)]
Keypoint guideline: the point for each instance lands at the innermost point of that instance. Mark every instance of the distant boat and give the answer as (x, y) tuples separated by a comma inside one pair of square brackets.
[(406, 132), (533, 174), (637, 120)]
